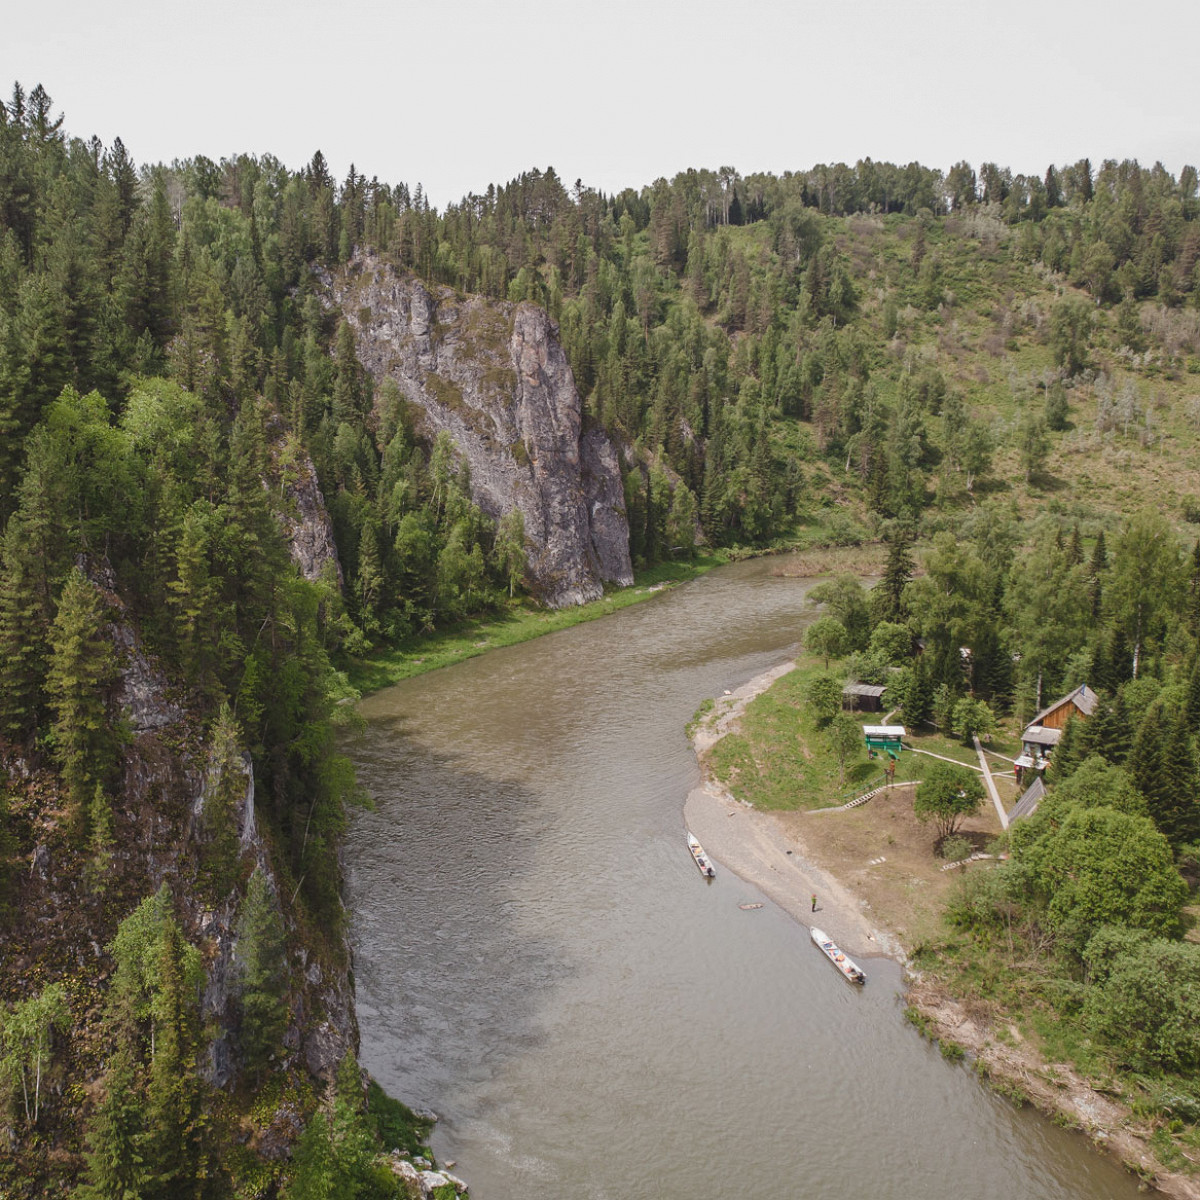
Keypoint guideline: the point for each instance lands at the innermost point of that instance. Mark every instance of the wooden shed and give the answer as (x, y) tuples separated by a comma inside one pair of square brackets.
[(862, 697)]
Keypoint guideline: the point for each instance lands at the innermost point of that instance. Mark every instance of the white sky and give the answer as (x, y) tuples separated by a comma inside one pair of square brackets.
[(617, 93)]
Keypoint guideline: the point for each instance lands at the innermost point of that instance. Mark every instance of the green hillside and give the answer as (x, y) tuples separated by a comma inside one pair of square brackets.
[(990, 371)]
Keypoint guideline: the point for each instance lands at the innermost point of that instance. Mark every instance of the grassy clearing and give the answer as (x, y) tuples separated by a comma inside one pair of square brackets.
[(780, 761), (519, 623)]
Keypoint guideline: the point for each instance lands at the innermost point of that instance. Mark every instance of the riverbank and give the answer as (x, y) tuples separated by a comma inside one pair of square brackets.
[(522, 621), (772, 851), (756, 846)]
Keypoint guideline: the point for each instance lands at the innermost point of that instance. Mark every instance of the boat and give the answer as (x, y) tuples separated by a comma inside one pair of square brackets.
[(830, 949), (706, 867)]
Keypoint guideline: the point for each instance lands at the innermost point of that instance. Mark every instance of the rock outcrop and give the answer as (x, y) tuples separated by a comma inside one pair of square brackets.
[(307, 525), (494, 376)]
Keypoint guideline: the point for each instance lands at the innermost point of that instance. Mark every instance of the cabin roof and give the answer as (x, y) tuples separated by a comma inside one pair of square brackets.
[(863, 689), (1082, 697), (1038, 735), (1027, 805)]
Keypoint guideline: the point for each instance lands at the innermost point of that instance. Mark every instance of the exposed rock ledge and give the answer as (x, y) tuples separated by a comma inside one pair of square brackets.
[(494, 376)]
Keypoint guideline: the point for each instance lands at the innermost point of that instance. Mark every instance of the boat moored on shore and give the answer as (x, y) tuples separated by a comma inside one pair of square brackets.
[(837, 956), (702, 861)]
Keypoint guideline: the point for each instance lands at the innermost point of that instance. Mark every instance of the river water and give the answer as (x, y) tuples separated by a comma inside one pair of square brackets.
[(539, 961)]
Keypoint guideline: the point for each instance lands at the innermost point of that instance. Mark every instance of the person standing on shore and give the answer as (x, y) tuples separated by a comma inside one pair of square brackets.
[(814, 902)]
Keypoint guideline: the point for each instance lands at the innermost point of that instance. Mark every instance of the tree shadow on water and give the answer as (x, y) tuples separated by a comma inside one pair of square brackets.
[(449, 978)]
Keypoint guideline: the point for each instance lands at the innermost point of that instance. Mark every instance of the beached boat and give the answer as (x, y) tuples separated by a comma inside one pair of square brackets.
[(830, 949), (706, 867)]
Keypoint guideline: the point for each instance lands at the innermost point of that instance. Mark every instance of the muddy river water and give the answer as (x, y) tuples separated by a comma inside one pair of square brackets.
[(539, 962)]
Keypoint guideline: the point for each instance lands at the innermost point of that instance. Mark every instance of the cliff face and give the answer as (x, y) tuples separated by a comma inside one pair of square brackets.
[(494, 376), (60, 921)]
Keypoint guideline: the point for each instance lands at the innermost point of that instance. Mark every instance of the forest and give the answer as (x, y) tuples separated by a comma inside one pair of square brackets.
[(995, 374)]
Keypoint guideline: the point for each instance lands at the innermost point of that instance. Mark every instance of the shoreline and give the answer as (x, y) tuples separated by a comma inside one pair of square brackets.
[(756, 847)]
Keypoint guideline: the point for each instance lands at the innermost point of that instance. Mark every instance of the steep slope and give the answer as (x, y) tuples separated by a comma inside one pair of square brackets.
[(494, 377)]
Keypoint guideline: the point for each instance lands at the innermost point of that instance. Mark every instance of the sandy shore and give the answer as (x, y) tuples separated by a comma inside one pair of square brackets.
[(755, 847)]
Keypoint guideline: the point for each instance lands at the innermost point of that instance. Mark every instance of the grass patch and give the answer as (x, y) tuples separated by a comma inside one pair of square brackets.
[(780, 760), (396, 1125), (520, 622)]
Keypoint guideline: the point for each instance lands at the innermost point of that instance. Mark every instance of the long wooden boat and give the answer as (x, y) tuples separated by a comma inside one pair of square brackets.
[(702, 861), (830, 949)]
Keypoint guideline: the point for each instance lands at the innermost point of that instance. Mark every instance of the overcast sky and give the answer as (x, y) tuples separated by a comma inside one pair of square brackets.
[(617, 93)]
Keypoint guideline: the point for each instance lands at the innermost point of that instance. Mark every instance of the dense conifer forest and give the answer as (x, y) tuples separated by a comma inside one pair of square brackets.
[(996, 374)]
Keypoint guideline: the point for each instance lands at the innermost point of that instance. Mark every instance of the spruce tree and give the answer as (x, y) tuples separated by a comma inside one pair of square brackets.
[(172, 1146), (896, 575), (116, 1169), (225, 787), (100, 842), (82, 672), (1145, 762), (1096, 568), (1069, 752), (262, 972), (1193, 605), (1176, 807), (1191, 702), (918, 705), (8, 846)]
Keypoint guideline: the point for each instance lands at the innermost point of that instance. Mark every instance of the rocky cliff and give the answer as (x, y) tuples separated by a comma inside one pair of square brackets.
[(58, 925), (494, 376)]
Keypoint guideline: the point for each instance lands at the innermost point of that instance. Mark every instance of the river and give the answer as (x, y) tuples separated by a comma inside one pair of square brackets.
[(539, 961)]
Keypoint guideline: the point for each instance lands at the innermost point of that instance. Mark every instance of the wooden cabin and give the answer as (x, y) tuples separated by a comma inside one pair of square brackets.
[(863, 697), (1044, 731)]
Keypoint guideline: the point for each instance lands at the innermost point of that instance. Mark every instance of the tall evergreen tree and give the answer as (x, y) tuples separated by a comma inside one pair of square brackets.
[(261, 955), (81, 675), (896, 574)]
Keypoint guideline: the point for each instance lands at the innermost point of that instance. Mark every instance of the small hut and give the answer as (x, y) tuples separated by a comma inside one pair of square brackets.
[(888, 738), (862, 697)]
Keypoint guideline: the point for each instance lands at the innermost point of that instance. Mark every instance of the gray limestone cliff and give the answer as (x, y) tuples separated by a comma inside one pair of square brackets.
[(494, 376)]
